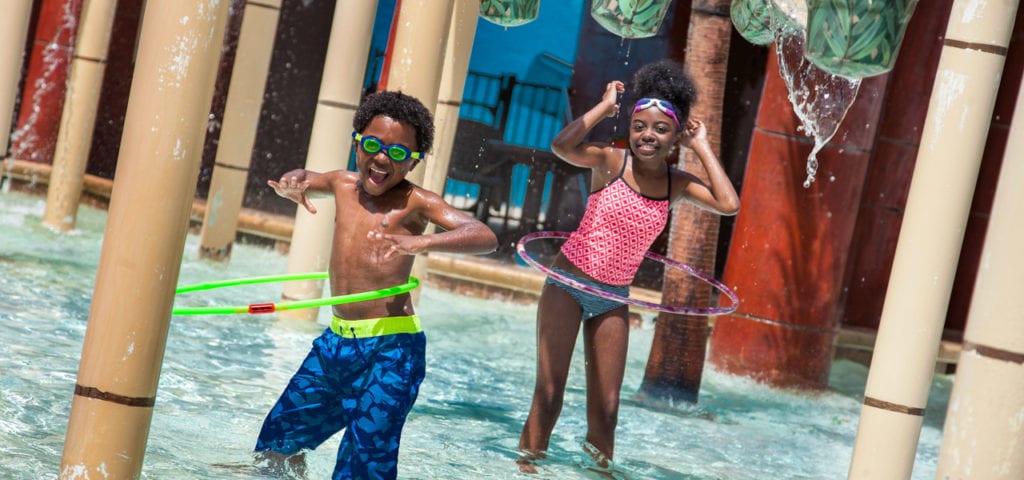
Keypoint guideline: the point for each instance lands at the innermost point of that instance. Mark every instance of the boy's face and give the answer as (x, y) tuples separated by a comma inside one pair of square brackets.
[(378, 173)]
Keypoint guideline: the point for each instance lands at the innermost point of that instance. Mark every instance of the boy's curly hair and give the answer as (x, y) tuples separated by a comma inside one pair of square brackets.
[(666, 80), (401, 107)]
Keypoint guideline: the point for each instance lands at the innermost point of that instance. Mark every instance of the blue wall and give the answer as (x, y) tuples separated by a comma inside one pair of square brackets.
[(517, 50)]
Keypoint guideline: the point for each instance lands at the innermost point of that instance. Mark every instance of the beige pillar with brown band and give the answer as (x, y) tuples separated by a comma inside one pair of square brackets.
[(417, 59), (461, 33), (416, 62), (983, 430), (81, 99), (330, 144), (238, 135), (178, 51), (13, 31), (938, 204)]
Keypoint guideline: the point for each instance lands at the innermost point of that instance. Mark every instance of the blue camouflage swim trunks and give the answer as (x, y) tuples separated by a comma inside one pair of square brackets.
[(360, 375)]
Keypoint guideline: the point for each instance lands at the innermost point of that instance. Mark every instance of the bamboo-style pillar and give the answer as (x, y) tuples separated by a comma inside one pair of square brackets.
[(241, 117), (178, 51), (81, 99), (329, 144), (980, 439), (13, 31), (415, 60), (449, 98), (973, 54)]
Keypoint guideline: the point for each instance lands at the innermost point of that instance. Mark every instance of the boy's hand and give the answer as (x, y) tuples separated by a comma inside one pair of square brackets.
[(394, 245), (293, 189)]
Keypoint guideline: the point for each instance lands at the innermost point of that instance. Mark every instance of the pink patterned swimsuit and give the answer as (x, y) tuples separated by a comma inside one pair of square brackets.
[(618, 227)]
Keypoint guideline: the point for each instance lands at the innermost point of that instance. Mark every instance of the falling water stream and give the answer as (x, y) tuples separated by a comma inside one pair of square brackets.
[(820, 99)]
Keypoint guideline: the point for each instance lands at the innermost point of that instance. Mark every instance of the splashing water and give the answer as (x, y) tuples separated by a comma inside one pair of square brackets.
[(820, 99), (53, 57)]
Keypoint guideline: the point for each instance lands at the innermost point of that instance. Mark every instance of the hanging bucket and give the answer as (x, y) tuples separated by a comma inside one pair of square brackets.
[(509, 13), (630, 18), (856, 38), (752, 19), (762, 22)]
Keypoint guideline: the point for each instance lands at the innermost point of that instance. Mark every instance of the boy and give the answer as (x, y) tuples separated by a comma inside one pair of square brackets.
[(363, 373)]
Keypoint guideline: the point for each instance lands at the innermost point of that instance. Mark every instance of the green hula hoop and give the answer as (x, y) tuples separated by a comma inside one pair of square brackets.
[(256, 308)]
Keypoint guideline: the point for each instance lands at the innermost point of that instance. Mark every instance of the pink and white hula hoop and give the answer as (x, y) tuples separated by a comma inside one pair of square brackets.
[(521, 250)]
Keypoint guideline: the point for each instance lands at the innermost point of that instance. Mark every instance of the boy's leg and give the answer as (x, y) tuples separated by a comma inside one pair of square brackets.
[(309, 410), (369, 447)]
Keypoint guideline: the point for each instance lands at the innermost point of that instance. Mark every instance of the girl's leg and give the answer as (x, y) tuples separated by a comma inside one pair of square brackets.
[(558, 323), (605, 341)]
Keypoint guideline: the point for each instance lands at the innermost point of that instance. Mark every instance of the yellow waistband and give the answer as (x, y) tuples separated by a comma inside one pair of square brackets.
[(375, 327)]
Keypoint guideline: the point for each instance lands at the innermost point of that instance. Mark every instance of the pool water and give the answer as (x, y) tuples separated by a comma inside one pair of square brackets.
[(222, 373)]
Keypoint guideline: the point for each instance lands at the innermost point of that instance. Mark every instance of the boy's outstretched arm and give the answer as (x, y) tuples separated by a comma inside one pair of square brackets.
[(295, 184)]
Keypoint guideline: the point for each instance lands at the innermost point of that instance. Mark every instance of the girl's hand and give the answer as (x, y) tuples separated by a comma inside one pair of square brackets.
[(611, 96), (294, 189), (694, 132)]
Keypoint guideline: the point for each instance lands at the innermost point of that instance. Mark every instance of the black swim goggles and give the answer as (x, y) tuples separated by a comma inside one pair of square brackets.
[(395, 151)]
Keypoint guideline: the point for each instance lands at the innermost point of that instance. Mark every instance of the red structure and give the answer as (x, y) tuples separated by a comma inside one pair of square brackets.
[(807, 262), (53, 35)]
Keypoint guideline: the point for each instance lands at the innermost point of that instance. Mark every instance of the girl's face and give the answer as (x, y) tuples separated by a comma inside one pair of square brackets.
[(652, 134), (378, 173)]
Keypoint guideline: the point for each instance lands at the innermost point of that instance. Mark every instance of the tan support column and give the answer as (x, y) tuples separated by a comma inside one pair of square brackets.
[(330, 143), (449, 98), (973, 54), (78, 118), (982, 434), (417, 59), (416, 62), (13, 31), (172, 87), (241, 117)]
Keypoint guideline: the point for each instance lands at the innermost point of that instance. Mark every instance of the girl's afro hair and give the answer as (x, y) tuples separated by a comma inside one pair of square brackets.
[(400, 107), (666, 80)]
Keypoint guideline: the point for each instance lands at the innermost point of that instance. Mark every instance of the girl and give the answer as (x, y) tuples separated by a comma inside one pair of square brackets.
[(632, 192)]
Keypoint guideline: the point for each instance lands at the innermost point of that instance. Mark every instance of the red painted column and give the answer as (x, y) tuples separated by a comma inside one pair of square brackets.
[(789, 248), (42, 99)]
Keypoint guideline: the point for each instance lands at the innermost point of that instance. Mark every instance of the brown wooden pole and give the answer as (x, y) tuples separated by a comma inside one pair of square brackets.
[(676, 363), (172, 88)]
